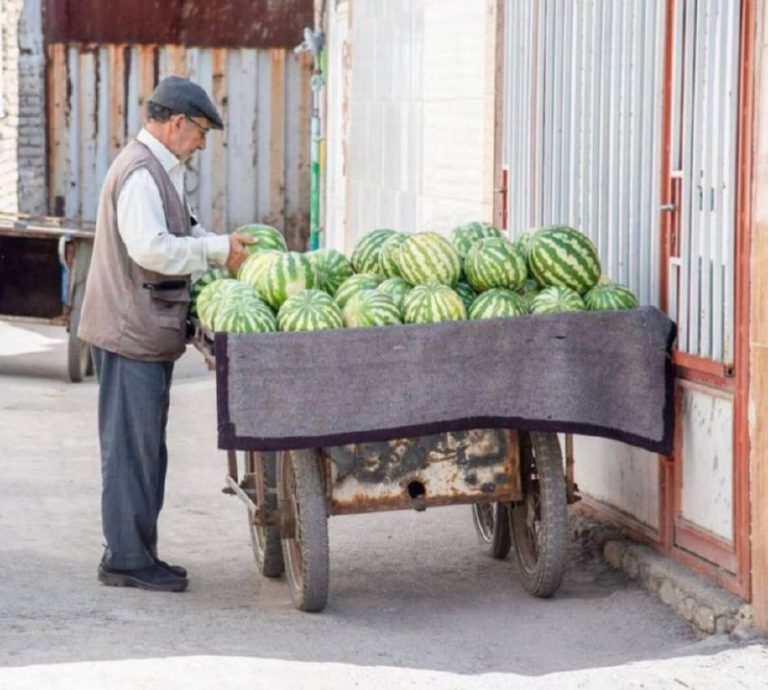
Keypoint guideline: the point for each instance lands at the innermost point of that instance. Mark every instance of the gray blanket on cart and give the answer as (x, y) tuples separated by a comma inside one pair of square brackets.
[(597, 373)]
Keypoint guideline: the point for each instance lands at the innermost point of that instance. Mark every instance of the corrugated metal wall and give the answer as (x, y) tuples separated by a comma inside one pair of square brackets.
[(704, 158), (583, 113), (256, 170)]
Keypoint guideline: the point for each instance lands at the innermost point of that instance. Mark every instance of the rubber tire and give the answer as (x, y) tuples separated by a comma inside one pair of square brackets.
[(265, 541), (541, 564), (79, 361), (495, 539), (307, 566)]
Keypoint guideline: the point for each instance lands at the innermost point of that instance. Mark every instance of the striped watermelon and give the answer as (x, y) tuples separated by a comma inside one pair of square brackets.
[(370, 308), (528, 290), (556, 298), (559, 255), (523, 240), (609, 297), (432, 303), (215, 294), (464, 236), (309, 310), (207, 278), (243, 313), (362, 281), (365, 257), (495, 262), (467, 294), (290, 273), (388, 255), (266, 237), (397, 289), (426, 257), (497, 303), (254, 269), (332, 267)]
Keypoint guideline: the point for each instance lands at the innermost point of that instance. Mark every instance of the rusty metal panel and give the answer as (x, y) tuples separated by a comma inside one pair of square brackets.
[(255, 170), (418, 472), (225, 23)]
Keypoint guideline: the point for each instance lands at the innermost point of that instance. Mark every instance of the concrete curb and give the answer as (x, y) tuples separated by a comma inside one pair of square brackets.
[(708, 607)]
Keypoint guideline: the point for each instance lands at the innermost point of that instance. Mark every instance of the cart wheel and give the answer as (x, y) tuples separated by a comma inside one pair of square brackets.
[(265, 539), (492, 527), (79, 362), (539, 522), (303, 528)]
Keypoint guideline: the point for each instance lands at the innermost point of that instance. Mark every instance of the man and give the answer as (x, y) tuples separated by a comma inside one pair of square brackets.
[(134, 316)]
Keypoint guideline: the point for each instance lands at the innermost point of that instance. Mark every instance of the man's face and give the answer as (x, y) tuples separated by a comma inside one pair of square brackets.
[(186, 135)]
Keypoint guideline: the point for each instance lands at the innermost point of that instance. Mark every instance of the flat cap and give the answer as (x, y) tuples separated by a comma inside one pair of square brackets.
[(184, 96)]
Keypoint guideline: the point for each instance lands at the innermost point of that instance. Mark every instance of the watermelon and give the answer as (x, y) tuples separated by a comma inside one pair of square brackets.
[(497, 303), (397, 289), (365, 257), (432, 303), (207, 278), (332, 268), (214, 295), (290, 273), (556, 298), (362, 281), (266, 237), (464, 236), (244, 314), (254, 269), (494, 262), (370, 308), (609, 297), (309, 310), (523, 240), (426, 257), (559, 255), (467, 294), (388, 255)]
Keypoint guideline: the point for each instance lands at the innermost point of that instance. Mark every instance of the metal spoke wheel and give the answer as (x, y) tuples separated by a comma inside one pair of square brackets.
[(539, 522), (492, 527), (79, 364), (265, 539), (303, 528)]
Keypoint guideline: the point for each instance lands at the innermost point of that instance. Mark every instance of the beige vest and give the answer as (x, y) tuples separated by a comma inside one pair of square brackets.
[(126, 308)]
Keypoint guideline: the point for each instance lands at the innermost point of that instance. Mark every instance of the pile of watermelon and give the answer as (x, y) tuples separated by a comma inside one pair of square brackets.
[(402, 278)]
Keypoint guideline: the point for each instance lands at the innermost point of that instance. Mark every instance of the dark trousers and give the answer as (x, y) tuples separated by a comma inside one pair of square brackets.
[(133, 413)]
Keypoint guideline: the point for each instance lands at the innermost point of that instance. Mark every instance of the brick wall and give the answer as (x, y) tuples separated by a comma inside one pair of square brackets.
[(22, 123)]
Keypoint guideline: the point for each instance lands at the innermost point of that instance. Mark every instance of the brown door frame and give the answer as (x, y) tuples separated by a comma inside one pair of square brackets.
[(727, 564)]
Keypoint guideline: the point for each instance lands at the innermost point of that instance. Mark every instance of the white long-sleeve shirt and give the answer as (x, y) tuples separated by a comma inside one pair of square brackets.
[(141, 222)]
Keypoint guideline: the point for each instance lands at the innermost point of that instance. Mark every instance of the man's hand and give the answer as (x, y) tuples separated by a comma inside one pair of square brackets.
[(237, 251)]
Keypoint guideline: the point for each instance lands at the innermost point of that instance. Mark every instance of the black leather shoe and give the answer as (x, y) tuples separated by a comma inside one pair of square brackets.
[(153, 578), (177, 570)]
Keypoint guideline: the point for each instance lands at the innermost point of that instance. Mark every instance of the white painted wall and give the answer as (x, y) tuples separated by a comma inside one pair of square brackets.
[(707, 461), (409, 139)]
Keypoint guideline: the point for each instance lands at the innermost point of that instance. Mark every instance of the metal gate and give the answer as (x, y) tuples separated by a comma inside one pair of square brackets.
[(703, 167), (582, 140)]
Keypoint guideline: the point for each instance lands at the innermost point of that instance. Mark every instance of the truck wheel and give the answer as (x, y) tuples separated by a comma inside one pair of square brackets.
[(265, 539), (539, 522), (79, 362), (303, 528), (492, 527)]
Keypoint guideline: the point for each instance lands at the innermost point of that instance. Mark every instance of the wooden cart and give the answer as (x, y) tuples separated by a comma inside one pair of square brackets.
[(43, 267), (513, 481)]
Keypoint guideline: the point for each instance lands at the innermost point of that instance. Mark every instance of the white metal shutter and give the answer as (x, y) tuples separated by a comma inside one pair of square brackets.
[(583, 127), (704, 157)]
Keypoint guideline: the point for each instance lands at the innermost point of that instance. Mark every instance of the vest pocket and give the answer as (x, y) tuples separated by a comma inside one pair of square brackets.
[(169, 307)]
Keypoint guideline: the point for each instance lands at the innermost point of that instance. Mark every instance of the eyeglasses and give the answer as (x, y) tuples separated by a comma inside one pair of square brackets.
[(204, 130)]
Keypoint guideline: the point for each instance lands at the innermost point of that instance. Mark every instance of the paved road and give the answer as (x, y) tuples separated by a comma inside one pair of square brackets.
[(409, 590)]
